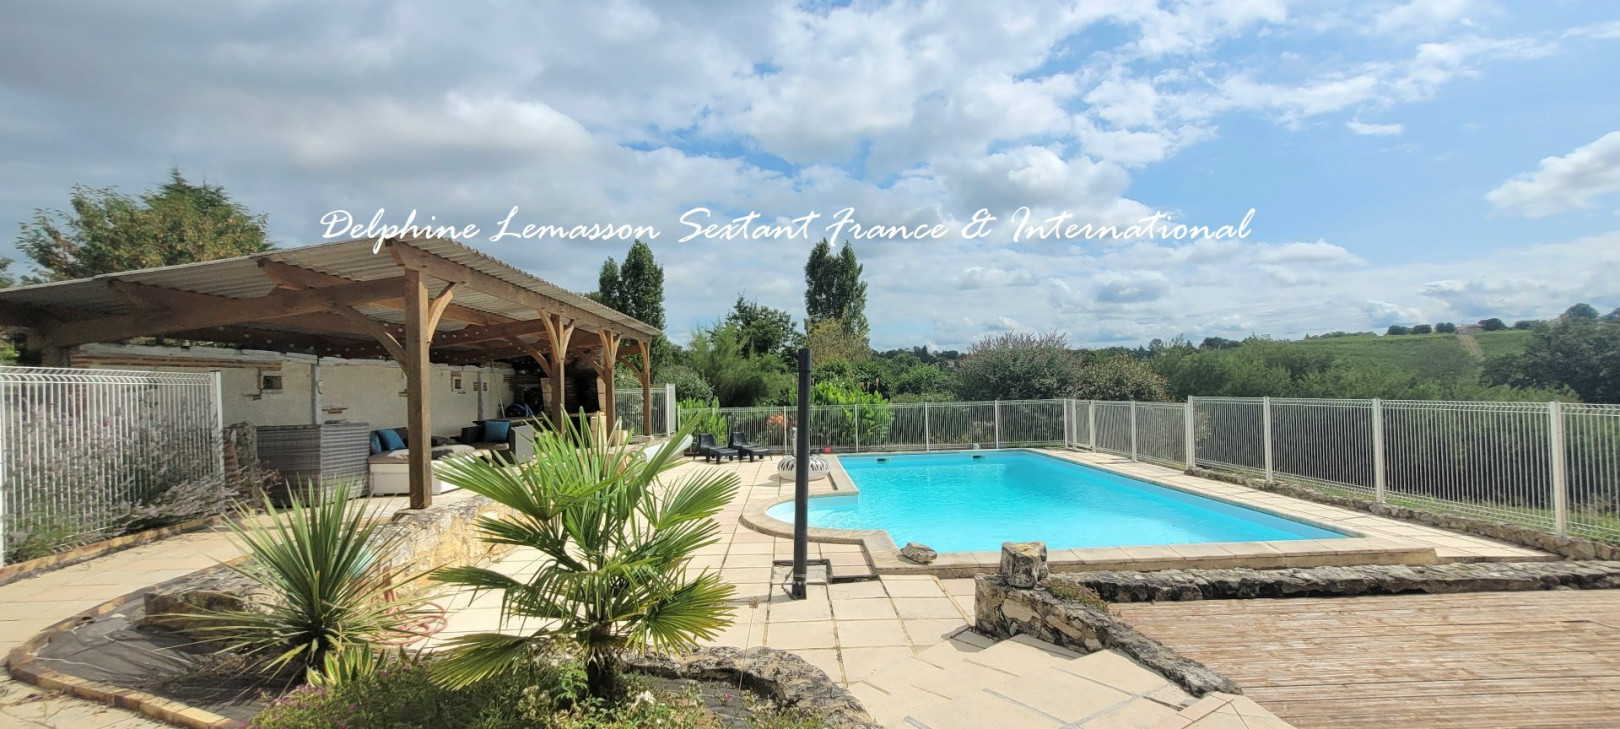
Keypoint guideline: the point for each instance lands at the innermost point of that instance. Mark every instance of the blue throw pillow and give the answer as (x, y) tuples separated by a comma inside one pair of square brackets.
[(391, 440), (376, 443), (497, 431)]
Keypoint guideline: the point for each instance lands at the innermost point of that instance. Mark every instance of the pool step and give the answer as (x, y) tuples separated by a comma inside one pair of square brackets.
[(1014, 683)]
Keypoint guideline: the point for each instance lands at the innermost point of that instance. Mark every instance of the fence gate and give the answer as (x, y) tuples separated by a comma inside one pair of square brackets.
[(79, 448)]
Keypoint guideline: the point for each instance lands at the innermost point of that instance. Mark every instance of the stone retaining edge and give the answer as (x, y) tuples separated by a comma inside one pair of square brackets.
[(789, 679), (40, 565), (20, 663)]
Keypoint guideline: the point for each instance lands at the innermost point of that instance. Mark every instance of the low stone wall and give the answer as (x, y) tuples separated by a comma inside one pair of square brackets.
[(1003, 610), (788, 679), (1566, 547), (438, 536), (1234, 584)]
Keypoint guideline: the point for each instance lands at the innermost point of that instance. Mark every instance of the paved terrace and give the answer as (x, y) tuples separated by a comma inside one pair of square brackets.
[(901, 642)]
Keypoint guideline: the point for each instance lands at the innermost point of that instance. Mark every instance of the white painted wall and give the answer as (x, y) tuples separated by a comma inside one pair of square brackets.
[(352, 391)]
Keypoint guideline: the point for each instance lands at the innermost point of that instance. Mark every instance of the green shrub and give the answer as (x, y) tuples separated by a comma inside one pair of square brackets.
[(1074, 592), (618, 542), (318, 560)]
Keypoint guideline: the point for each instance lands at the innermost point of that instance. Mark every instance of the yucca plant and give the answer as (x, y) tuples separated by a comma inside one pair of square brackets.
[(319, 561), (616, 543)]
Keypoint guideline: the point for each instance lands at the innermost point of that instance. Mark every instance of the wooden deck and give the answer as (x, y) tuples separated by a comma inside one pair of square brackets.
[(1522, 659)]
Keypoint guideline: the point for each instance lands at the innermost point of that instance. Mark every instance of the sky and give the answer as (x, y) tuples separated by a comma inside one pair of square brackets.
[(1407, 161)]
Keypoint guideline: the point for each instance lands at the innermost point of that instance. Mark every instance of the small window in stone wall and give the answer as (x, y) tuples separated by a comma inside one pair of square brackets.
[(456, 382), (270, 383)]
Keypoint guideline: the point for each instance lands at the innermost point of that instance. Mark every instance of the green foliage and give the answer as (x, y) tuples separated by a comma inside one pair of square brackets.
[(689, 385), (925, 379), (541, 693), (7, 280), (1075, 592), (833, 289), (1580, 311), (1422, 329), (1397, 330), (1019, 366), (1578, 353), (320, 563), (763, 331), (618, 543), (107, 231), (1120, 378), (737, 379), (703, 416), (1445, 327), (1492, 325), (832, 339)]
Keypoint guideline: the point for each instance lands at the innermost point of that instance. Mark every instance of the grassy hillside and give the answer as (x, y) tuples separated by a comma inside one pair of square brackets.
[(1409, 352)]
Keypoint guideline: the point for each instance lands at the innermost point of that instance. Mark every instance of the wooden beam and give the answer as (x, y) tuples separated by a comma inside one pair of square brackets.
[(418, 337), (440, 303), (535, 354), (604, 370), (279, 341), (377, 331), (448, 270), (644, 373), (288, 276), (223, 312), (558, 334)]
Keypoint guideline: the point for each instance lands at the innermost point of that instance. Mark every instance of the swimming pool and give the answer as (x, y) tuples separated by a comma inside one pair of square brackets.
[(974, 500)]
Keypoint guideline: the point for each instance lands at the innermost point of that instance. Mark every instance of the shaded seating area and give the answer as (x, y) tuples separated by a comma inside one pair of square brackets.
[(412, 300), (711, 451)]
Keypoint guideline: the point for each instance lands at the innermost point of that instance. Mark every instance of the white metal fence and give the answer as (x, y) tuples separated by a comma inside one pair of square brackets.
[(627, 408), (1554, 466), (79, 448)]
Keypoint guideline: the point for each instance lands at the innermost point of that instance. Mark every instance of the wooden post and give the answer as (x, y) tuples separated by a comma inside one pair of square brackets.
[(558, 334), (604, 370), (645, 373), (418, 336)]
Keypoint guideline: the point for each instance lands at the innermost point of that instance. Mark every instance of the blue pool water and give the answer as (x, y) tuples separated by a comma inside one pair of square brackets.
[(972, 501)]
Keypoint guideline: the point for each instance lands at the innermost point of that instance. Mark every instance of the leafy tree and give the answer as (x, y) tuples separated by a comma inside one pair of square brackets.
[(1613, 316), (1492, 325), (1396, 330), (833, 288), (7, 280), (1526, 323), (607, 286), (1018, 366), (738, 380), (618, 544), (1219, 343), (832, 339), (689, 385), (1581, 311), (1422, 329), (107, 231), (1121, 378), (1445, 327), (764, 330), (1580, 354)]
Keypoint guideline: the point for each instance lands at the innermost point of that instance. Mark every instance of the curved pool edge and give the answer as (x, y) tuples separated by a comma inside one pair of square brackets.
[(884, 555)]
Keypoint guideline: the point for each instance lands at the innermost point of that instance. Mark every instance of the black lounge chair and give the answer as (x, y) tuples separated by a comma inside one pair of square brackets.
[(711, 451), (746, 447)]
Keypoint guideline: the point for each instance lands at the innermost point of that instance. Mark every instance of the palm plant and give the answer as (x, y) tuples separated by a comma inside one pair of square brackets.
[(330, 594), (616, 543)]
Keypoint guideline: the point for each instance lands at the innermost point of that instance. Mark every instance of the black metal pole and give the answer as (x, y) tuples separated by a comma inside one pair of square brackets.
[(801, 480)]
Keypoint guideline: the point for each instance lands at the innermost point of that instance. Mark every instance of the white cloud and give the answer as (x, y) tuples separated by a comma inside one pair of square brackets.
[(1425, 16), (1560, 184), (1366, 129)]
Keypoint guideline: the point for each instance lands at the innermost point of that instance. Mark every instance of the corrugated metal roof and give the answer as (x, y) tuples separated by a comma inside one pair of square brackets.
[(242, 278)]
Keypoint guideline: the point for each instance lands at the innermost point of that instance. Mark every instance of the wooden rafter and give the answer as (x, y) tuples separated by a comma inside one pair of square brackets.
[(288, 276)]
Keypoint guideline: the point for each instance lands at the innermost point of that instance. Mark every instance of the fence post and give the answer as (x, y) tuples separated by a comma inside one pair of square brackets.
[(671, 408), (1133, 430), (1265, 403), (857, 427), (1555, 455), (218, 395), (1068, 431), (1091, 425), (785, 442), (1187, 417), (927, 437), (998, 423), (1379, 485)]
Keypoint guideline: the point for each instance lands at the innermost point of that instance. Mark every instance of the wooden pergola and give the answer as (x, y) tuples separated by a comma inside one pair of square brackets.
[(414, 300)]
